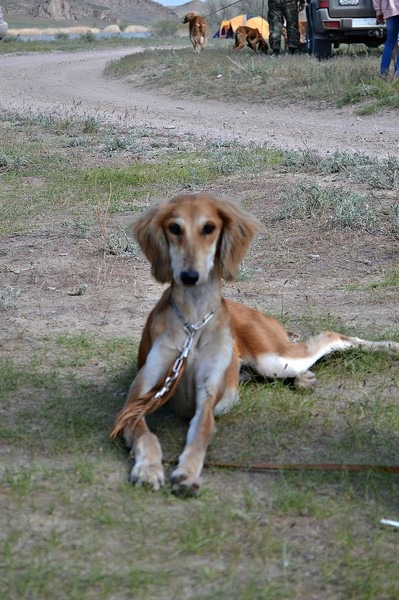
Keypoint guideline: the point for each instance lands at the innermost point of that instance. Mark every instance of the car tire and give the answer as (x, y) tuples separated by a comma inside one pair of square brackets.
[(322, 49)]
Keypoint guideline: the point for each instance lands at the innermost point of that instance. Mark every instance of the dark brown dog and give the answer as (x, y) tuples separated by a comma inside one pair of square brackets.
[(197, 30), (250, 36)]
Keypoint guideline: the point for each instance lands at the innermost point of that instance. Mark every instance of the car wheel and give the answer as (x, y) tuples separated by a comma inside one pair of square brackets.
[(322, 49)]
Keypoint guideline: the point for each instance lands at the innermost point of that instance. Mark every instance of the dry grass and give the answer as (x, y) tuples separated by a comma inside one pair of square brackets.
[(221, 74)]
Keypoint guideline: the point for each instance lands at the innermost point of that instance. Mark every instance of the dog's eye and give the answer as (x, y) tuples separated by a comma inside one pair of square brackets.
[(208, 228), (175, 229)]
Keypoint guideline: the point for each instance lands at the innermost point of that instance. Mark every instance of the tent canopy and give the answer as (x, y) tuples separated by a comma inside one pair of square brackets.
[(228, 28), (260, 24)]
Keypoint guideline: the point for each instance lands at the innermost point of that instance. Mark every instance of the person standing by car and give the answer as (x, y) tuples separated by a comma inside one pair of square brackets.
[(388, 11), (288, 11)]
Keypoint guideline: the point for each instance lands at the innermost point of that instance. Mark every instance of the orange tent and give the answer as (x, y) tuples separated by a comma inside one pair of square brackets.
[(261, 24)]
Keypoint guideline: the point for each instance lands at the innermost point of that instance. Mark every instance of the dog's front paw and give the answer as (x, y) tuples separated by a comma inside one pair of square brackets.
[(183, 485), (147, 474)]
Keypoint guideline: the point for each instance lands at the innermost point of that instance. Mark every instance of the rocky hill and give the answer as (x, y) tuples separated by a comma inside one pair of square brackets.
[(196, 6), (139, 12)]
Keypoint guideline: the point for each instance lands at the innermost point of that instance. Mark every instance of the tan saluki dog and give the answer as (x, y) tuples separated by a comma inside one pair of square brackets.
[(197, 30), (195, 341)]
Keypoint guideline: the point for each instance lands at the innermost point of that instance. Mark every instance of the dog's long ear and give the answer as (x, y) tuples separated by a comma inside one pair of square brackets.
[(148, 231), (239, 228)]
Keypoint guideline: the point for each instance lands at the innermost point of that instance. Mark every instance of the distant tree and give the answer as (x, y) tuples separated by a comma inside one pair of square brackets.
[(221, 13)]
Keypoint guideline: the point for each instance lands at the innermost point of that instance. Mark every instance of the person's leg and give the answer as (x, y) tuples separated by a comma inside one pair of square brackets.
[(291, 17), (396, 66), (275, 18), (392, 38), (309, 36)]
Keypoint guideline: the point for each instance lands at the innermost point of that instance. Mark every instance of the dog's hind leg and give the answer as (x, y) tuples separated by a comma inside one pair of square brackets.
[(231, 394), (298, 358)]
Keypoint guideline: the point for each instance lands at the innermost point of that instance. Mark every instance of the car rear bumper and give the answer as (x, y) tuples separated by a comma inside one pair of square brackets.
[(341, 27)]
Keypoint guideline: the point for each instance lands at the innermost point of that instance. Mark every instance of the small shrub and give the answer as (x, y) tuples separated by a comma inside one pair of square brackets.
[(81, 228), (353, 212), (343, 210), (61, 36), (89, 37), (119, 244), (8, 296), (75, 142), (91, 125), (7, 39), (165, 28), (8, 163), (306, 201)]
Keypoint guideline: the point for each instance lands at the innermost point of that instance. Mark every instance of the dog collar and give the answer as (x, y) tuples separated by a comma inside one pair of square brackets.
[(191, 327)]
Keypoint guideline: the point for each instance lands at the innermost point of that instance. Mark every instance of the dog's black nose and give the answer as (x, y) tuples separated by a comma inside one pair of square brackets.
[(189, 277)]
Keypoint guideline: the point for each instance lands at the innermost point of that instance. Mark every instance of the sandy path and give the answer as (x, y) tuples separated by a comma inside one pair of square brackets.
[(74, 81)]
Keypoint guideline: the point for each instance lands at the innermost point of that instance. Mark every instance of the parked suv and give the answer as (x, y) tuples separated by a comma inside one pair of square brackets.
[(335, 22), (3, 25)]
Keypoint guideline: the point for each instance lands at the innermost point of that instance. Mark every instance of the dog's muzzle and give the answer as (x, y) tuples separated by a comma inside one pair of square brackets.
[(189, 277)]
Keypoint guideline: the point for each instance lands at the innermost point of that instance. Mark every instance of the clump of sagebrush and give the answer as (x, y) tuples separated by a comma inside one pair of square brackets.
[(80, 228), (360, 168), (76, 142), (113, 142), (9, 163), (56, 120), (118, 243), (353, 212), (61, 36), (383, 175), (341, 210), (91, 124), (9, 39), (89, 37), (8, 297)]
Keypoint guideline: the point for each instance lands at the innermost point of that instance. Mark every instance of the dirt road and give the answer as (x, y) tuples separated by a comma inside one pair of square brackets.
[(74, 81)]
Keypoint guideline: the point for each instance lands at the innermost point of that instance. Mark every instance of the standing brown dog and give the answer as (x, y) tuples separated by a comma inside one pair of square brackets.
[(197, 30)]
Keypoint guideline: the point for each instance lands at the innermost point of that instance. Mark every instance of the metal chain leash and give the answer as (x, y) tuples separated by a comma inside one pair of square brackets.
[(191, 329)]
